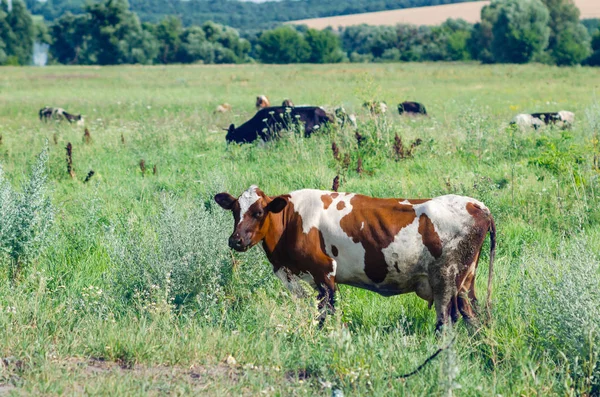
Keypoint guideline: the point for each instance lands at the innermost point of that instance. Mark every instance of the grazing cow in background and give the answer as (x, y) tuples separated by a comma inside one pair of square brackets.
[(389, 246), (49, 113), (412, 108), (262, 102), (546, 118), (342, 117), (268, 122), (376, 107), (223, 108), (526, 121), (287, 103), (563, 119)]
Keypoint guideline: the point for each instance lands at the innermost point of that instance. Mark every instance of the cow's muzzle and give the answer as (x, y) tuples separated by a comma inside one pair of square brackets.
[(237, 243)]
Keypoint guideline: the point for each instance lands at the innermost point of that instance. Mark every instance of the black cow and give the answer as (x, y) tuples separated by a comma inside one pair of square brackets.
[(412, 108), (268, 122)]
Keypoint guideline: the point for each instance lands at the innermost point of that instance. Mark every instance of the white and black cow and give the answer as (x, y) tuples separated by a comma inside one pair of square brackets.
[(563, 119), (390, 246), (49, 113)]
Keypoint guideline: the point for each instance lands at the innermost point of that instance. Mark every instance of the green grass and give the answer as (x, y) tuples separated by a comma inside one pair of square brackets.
[(164, 315)]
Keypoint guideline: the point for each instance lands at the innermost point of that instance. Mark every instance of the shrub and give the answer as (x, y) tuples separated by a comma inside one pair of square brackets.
[(562, 300), (179, 258), (25, 218)]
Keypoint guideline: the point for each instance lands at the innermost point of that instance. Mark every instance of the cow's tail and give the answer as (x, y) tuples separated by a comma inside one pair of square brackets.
[(492, 230)]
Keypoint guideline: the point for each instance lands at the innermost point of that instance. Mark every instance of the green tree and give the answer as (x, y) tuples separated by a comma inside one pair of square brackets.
[(228, 46), (520, 29), (480, 43), (594, 59), (116, 35), (448, 42), (168, 33), (41, 34), (569, 42), (5, 33), (16, 32), (324, 46), (212, 43), (283, 45), (70, 37), (2, 52), (572, 45), (373, 41), (195, 47)]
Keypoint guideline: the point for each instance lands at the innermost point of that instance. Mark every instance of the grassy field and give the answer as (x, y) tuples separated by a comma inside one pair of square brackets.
[(132, 290), (433, 15)]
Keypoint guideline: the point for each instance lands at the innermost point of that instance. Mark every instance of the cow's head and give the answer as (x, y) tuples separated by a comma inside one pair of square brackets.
[(251, 215), (262, 102), (230, 132)]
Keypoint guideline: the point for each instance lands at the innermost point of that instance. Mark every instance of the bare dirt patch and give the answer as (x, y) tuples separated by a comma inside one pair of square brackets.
[(433, 15)]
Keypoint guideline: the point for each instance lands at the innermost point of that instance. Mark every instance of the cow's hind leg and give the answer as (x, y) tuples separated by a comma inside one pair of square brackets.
[(326, 304), (467, 300), (326, 288), (443, 286)]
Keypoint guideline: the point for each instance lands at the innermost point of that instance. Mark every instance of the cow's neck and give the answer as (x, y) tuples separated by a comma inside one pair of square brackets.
[(277, 228)]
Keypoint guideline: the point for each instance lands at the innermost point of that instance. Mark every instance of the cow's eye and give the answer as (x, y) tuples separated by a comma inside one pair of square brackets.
[(258, 214)]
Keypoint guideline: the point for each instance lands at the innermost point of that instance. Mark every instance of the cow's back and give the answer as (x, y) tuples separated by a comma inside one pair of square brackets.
[(385, 245)]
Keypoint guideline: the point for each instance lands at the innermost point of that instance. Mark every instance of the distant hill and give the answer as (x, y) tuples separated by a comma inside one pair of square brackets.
[(245, 15), (432, 15)]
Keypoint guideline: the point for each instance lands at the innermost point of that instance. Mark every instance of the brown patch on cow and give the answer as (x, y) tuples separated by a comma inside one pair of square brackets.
[(334, 250), (334, 195), (417, 201), (286, 245), (327, 200), (474, 209), (431, 239), (468, 252), (383, 220), (340, 205)]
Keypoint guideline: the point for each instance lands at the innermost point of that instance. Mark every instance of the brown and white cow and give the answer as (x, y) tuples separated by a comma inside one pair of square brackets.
[(389, 246), (262, 102), (223, 108)]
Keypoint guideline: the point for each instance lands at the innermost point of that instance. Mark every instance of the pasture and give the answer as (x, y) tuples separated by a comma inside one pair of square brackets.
[(135, 292)]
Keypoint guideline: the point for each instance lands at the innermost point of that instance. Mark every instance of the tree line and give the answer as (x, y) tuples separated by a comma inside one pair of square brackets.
[(108, 33)]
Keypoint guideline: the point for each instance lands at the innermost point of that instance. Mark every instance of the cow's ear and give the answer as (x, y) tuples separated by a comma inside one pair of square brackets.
[(225, 200), (231, 128), (277, 205)]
